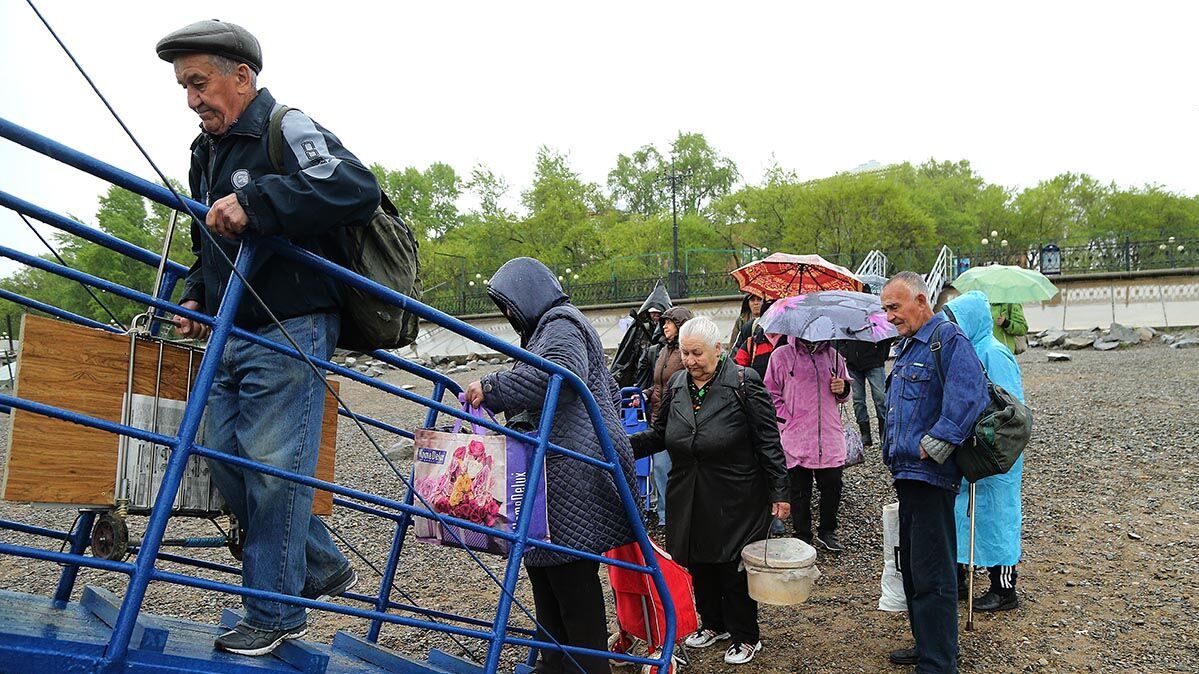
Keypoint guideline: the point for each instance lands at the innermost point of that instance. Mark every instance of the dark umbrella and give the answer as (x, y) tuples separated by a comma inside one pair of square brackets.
[(829, 315)]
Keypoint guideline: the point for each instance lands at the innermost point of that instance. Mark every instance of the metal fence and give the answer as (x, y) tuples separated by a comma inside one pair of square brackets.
[(1087, 258)]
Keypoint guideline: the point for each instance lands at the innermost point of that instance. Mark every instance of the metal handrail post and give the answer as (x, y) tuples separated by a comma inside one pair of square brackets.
[(80, 537), (517, 550), (122, 630), (383, 601)]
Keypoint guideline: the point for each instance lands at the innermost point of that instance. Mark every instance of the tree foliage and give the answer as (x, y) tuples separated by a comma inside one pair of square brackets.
[(469, 226)]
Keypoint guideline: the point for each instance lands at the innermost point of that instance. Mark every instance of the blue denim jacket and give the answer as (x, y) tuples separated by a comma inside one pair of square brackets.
[(918, 404)]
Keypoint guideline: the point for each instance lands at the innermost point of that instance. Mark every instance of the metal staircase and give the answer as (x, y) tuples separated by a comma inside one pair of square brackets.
[(940, 275)]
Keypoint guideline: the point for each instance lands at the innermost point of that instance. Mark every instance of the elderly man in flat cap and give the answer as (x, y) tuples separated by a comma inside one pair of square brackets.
[(265, 406)]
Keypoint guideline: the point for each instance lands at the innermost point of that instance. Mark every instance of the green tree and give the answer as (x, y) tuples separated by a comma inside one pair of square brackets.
[(1062, 209), (121, 214), (637, 182), (427, 200)]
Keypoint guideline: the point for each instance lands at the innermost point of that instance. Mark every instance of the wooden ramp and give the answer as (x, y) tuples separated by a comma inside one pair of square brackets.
[(40, 635)]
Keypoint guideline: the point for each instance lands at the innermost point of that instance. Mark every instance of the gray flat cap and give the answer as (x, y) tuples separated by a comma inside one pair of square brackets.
[(212, 37)]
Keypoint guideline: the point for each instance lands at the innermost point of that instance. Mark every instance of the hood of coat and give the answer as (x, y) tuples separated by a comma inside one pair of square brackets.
[(658, 300), (972, 313), (678, 316), (524, 289)]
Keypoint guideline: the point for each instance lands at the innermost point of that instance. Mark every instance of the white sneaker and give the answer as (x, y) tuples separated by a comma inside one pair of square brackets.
[(704, 638), (739, 654)]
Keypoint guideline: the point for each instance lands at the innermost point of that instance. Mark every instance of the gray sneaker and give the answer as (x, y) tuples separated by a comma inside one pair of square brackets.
[(246, 640), (337, 585)]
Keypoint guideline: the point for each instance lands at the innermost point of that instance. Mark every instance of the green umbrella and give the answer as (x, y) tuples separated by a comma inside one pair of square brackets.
[(1004, 283)]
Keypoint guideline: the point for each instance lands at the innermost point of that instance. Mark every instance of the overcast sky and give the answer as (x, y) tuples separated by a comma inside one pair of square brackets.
[(1024, 90)]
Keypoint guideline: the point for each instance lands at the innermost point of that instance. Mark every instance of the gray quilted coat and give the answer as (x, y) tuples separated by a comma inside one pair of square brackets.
[(585, 511)]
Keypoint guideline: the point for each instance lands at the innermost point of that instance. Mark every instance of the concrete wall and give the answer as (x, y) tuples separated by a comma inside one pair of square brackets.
[(1085, 302), (1163, 299)]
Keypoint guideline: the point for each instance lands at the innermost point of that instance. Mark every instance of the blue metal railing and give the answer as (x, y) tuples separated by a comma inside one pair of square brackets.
[(183, 445)]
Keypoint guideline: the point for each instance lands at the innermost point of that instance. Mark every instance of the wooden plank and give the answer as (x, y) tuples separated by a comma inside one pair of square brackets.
[(380, 656), (85, 371), (106, 606), (302, 655)]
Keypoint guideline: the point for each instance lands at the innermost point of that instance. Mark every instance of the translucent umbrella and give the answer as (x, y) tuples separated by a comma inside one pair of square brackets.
[(1005, 284), (829, 315)]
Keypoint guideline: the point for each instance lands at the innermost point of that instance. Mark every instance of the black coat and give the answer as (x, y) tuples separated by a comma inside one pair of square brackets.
[(727, 465), (863, 356), (324, 188), (629, 364), (585, 510)]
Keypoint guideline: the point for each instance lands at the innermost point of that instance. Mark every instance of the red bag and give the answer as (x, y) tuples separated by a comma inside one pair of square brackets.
[(639, 609)]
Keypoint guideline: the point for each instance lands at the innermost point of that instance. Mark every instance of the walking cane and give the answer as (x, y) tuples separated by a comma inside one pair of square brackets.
[(970, 567)]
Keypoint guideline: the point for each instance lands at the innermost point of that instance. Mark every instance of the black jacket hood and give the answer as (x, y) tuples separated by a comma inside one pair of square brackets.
[(658, 300), (525, 289)]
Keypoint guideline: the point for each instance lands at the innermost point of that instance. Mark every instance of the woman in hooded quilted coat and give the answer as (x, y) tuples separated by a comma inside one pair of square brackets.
[(584, 507), (997, 503)]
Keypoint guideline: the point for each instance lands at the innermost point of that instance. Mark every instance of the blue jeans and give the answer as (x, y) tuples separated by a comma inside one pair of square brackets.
[(267, 407), (878, 392), (661, 464)]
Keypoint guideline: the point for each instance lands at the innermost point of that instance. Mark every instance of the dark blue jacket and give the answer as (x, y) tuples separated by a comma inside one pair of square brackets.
[(585, 511), (918, 404), (323, 189)]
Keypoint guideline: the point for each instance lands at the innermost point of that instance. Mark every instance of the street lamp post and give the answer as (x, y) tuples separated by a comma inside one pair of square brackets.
[(676, 281)]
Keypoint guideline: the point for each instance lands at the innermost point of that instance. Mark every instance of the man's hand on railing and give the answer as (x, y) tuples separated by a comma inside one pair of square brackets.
[(227, 217), (187, 328)]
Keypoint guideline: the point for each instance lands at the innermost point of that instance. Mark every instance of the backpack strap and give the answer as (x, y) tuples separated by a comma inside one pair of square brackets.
[(274, 150), (740, 392), (934, 345), (274, 137)]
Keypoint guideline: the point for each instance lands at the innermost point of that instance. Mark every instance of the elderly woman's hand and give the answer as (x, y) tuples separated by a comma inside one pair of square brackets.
[(474, 394), (781, 510)]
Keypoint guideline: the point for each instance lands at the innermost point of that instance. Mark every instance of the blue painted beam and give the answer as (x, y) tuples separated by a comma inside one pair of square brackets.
[(303, 656), (106, 605), (382, 657), (453, 663)]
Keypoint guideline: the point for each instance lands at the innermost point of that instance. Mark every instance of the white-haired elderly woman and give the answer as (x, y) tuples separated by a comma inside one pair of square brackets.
[(727, 479)]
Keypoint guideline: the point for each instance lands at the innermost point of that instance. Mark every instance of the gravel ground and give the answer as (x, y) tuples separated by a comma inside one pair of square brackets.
[(1108, 581)]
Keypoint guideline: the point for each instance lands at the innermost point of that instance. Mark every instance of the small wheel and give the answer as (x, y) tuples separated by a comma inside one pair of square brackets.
[(110, 537), (237, 538)]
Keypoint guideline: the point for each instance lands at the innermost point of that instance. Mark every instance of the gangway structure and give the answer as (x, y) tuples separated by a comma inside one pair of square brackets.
[(940, 275), (105, 633), (875, 264)]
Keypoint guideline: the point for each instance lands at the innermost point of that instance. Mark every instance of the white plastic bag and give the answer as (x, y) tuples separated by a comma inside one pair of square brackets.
[(892, 598)]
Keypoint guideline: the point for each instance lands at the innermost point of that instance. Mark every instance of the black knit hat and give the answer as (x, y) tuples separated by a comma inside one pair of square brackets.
[(212, 37)]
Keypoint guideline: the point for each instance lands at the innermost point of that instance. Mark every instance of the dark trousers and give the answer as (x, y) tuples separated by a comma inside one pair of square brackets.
[(828, 480), (722, 598), (927, 561), (570, 607)]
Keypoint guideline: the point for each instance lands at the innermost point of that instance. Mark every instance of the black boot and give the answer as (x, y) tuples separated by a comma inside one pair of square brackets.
[(867, 439), (882, 431)]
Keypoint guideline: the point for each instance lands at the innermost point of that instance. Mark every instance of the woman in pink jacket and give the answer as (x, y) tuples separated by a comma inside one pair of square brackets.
[(807, 382)]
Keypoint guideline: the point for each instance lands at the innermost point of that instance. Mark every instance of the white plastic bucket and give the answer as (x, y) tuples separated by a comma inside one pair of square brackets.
[(781, 571)]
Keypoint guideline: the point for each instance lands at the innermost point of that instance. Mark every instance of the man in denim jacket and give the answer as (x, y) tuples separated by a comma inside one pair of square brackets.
[(928, 416)]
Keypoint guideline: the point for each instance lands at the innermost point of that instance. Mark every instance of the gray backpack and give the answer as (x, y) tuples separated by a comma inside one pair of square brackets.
[(384, 251)]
